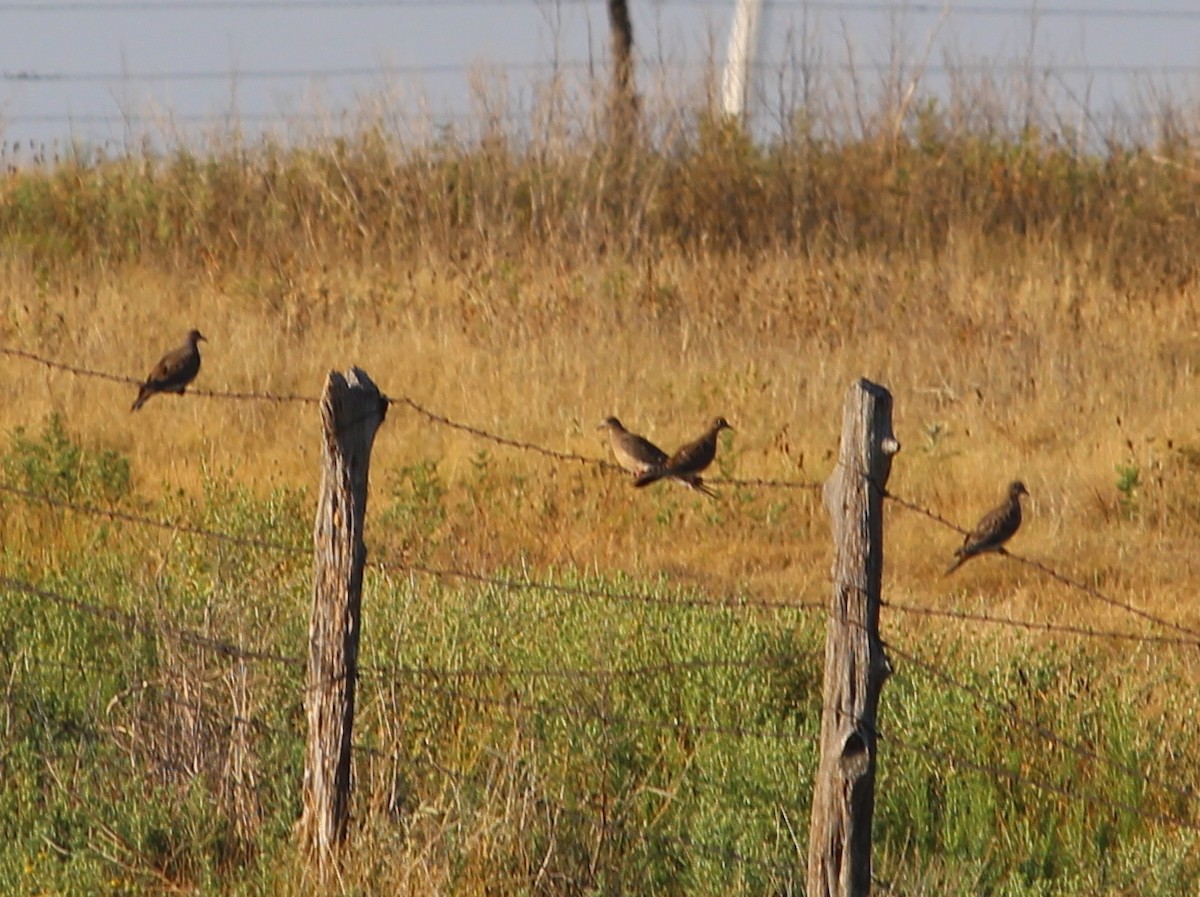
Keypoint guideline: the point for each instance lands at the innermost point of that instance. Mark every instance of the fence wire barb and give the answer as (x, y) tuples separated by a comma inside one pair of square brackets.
[(395, 565), (560, 711), (511, 584), (429, 415)]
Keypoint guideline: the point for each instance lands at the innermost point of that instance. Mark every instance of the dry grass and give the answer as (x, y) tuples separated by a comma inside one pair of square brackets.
[(1004, 362), (1033, 309)]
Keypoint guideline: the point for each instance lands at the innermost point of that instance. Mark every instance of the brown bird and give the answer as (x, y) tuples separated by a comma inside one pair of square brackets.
[(638, 455), (688, 461), (994, 528), (174, 371)]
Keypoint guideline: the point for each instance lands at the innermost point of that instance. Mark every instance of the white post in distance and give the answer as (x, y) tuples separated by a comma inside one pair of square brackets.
[(739, 59)]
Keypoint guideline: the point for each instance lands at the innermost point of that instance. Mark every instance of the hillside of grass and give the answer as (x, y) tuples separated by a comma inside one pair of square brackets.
[(646, 721)]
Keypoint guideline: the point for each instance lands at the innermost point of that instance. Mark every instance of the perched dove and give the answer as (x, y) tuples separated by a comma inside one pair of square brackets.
[(638, 455), (995, 528), (687, 462), (174, 371)]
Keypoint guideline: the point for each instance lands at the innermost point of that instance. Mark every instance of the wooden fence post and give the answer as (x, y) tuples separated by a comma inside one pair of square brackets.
[(352, 409), (839, 847), (622, 98)]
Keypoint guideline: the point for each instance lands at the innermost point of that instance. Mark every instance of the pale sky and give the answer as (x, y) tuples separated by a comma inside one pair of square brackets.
[(101, 70)]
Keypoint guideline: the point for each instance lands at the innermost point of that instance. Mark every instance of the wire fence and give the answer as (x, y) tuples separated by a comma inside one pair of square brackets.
[(461, 684)]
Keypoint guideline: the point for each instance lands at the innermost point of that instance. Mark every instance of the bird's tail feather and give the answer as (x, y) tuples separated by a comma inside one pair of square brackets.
[(700, 486), (961, 559)]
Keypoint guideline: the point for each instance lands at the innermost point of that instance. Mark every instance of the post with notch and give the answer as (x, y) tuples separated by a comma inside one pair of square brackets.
[(352, 409), (839, 847)]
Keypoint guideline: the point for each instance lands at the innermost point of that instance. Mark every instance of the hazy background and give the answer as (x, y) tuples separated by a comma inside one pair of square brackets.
[(105, 71)]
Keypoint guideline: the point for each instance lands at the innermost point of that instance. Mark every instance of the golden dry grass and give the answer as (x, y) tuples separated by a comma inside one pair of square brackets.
[(1020, 365), (1032, 307), (1033, 312)]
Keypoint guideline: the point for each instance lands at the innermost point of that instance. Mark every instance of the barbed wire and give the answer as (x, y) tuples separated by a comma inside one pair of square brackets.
[(583, 674), (556, 67), (463, 778), (628, 596), (1043, 731), (117, 516), (1044, 568), (407, 401), (480, 433), (1019, 778), (729, 602), (1038, 625), (130, 620), (596, 714), (399, 565), (78, 371)]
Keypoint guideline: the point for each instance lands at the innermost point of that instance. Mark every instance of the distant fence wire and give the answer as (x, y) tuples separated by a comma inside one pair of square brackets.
[(1071, 793)]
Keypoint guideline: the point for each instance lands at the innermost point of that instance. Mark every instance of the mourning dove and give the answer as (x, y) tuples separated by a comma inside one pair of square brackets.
[(638, 455), (687, 462), (174, 371), (994, 528)]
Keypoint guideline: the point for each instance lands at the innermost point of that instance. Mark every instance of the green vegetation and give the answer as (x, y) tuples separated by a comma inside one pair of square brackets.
[(528, 741), (1032, 300)]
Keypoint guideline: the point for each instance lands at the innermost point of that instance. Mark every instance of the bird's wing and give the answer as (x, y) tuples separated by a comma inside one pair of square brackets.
[(176, 368)]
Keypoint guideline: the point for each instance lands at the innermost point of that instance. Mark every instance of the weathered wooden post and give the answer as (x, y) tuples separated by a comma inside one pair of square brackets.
[(839, 846), (352, 409), (622, 100)]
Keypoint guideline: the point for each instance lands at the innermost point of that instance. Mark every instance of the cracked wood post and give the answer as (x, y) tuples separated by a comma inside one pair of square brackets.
[(352, 409), (839, 847)]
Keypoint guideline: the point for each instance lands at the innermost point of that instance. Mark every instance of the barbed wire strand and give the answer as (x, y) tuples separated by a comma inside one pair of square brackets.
[(78, 371), (376, 670), (130, 620), (1019, 778), (1045, 732), (117, 516), (397, 565), (401, 566), (730, 602), (1041, 567), (432, 416), (462, 778), (1017, 10), (562, 711), (1038, 625)]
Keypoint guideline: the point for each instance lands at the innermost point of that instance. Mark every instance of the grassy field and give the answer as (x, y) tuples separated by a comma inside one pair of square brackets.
[(1033, 307)]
